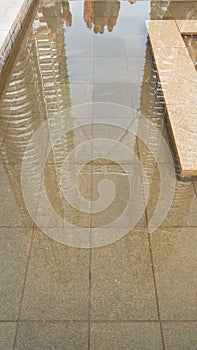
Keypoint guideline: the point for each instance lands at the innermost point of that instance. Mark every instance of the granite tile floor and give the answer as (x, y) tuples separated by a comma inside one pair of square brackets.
[(79, 265)]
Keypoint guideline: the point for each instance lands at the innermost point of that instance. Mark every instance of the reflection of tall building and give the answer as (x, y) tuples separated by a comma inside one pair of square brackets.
[(37, 88)]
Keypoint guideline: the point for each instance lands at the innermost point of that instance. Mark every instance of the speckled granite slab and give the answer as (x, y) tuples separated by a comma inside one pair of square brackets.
[(179, 84), (12, 15), (187, 26)]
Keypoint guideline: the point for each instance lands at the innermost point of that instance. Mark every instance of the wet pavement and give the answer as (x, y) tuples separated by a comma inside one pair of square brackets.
[(87, 263)]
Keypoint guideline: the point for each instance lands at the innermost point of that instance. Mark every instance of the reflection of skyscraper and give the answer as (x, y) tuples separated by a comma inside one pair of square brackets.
[(37, 88)]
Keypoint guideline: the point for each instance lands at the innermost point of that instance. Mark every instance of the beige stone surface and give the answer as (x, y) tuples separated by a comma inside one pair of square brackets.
[(164, 34), (179, 84), (184, 126), (187, 26)]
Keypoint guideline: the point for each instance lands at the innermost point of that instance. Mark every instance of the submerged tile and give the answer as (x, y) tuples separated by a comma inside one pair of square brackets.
[(122, 281), (7, 334), (80, 69), (110, 47), (182, 210), (135, 45), (57, 285), (113, 93), (174, 258), (179, 335), (65, 61), (52, 335), (14, 252), (136, 66), (79, 46), (13, 210), (65, 192), (155, 140), (138, 335), (123, 205), (110, 70)]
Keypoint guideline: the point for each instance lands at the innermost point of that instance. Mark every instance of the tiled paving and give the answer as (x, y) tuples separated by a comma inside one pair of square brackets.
[(139, 292)]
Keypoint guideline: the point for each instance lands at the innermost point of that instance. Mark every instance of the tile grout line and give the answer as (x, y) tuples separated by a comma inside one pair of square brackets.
[(90, 261), (155, 286), (23, 288), (129, 321), (153, 274), (153, 271)]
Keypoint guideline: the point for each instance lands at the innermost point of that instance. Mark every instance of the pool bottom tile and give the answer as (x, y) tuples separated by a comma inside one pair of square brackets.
[(53, 335), (57, 284), (7, 335), (122, 285), (126, 336)]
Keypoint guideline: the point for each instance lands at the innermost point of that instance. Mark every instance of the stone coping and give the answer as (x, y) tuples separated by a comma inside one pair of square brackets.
[(178, 78), (12, 16)]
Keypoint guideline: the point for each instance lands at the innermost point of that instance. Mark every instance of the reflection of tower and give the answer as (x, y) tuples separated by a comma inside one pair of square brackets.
[(52, 77), (37, 88)]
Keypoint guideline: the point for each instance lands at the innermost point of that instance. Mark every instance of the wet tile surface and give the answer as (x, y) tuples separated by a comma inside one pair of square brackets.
[(140, 335), (57, 283), (7, 334), (174, 257), (114, 270), (14, 252), (182, 211), (180, 335), (84, 171), (52, 335)]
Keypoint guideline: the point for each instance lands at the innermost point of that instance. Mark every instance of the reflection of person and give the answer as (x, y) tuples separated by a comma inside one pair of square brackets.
[(53, 14), (67, 15), (50, 15), (88, 13), (111, 13), (101, 14)]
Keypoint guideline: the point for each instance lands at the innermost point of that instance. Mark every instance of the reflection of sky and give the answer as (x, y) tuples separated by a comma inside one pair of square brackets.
[(130, 26)]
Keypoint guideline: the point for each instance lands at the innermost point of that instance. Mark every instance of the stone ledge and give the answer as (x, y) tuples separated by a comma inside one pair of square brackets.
[(178, 79)]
